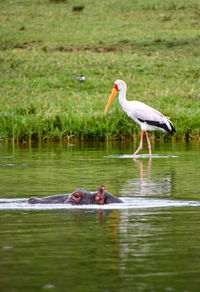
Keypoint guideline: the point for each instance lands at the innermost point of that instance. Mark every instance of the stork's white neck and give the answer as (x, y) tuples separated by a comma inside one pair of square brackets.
[(122, 96)]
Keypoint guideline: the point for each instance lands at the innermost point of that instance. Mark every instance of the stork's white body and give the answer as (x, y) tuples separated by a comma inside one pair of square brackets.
[(139, 111)]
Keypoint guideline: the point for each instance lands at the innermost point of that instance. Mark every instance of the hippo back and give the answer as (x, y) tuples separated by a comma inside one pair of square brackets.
[(109, 198)]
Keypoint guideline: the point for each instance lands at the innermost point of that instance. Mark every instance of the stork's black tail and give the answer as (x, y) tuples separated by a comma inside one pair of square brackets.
[(172, 131)]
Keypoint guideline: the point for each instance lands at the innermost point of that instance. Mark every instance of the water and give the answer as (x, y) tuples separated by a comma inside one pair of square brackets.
[(148, 243)]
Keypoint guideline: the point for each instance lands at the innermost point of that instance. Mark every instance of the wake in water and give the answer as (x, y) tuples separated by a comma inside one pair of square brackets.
[(141, 156), (128, 203)]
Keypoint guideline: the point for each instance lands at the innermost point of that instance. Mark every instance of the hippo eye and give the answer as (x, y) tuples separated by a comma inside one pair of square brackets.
[(76, 195)]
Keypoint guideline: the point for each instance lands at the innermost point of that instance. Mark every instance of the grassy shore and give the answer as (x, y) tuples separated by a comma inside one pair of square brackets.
[(44, 45)]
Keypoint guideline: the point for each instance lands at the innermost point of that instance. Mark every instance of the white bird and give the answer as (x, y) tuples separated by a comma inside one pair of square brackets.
[(81, 78), (147, 117)]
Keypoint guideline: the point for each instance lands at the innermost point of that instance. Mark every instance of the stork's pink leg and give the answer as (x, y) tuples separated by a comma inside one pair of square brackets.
[(141, 142), (149, 143)]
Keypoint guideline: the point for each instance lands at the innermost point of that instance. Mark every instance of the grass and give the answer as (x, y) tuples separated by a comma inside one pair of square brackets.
[(44, 45)]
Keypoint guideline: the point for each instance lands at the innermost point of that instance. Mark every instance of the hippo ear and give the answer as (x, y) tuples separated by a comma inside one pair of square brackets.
[(100, 198)]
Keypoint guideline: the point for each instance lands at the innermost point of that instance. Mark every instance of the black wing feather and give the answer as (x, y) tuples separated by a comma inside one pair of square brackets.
[(160, 125)]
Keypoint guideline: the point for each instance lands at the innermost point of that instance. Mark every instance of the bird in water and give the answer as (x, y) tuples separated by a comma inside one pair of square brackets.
[(147, 117)]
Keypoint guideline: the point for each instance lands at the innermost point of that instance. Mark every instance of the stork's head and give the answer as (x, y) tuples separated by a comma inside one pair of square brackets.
[(118, 86)]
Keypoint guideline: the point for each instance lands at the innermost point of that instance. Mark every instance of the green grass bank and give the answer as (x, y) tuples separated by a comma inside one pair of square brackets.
[(45, 45)]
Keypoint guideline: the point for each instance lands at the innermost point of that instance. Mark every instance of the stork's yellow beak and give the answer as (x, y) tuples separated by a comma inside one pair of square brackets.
[(113, 93)]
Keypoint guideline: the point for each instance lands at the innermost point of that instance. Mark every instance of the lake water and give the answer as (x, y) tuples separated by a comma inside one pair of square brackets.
[(151, 242)]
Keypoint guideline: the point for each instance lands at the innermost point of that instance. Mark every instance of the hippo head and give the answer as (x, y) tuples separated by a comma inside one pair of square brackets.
[(80, 197)]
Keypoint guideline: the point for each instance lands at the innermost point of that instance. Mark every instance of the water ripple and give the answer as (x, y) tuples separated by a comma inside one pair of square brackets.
[(128, 203), (141, 156)]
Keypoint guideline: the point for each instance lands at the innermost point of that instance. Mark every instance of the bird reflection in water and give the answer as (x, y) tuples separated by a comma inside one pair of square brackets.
[(147, 184), (148, 171)]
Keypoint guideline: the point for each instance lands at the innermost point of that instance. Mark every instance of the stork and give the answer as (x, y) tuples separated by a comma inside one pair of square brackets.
[(147, 117)]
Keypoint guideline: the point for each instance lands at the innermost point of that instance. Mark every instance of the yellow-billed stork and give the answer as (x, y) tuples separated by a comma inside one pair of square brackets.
[(147, 117)]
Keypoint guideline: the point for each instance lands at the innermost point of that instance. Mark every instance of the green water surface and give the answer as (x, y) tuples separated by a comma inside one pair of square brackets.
[(144, 249)]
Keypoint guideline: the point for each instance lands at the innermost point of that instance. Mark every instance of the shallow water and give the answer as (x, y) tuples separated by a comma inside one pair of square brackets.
[(148, 243)]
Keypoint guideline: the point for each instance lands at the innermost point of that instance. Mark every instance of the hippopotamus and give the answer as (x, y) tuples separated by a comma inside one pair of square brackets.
[(79, 197)]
